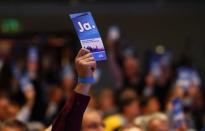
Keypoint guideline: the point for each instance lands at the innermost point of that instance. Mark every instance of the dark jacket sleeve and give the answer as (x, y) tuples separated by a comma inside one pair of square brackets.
[(70, 117)]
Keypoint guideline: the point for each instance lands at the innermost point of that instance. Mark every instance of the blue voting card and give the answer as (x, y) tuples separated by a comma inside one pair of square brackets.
[(177, 113), (187, 76), (88, 34)]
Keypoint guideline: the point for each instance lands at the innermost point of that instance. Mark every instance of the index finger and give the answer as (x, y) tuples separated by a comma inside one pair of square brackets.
[(82, 52)]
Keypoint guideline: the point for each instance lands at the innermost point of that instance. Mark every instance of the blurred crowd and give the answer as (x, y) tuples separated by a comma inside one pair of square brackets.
[(157, 94)]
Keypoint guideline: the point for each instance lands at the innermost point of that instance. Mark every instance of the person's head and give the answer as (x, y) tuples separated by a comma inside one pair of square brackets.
[(165, 75), (151, 105), (183, 127), (158, 122), (4, 99), (131, 67), (13, 125), (92, 121), (55, 94), (4, 103), (129, 104), (177, 91), (131, 107), (128, 92), (13, 109), (193, 90), (131, 128), (106, 99), (150, 79)]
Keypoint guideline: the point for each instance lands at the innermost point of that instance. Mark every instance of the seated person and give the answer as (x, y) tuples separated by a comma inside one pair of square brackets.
[(131, 128), (92, 121), (13, 125)]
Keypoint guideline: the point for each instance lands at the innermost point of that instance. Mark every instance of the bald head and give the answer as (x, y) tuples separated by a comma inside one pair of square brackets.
[(92, 121)]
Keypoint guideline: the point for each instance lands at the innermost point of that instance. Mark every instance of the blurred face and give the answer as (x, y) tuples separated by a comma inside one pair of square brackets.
[(10, 129), (150, 80), (131, 67), (153, 106), (57, 95), (46, 61), (12, 110), (182, 128), (165, 74), (92, 121), (193, 90), (132, 110), (178, 92), (157, 125), (106, 100), (4, 103), (128, 93), (132, 129), (32, 66)]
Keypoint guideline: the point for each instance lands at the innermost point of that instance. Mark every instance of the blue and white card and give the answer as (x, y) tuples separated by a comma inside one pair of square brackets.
[(88, 34), (178, 117), (187, 76)]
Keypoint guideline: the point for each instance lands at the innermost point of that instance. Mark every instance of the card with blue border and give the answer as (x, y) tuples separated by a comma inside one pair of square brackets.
[(88, 34)]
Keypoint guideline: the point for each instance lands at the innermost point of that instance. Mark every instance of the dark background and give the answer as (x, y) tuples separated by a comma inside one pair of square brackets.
[(178, 25)]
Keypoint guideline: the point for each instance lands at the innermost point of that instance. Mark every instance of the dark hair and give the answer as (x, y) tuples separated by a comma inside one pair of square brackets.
[(146, 100), (14, 124), (4, 94), (126, 102)]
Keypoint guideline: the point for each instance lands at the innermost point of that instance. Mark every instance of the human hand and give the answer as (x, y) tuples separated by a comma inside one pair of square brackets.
[(85, 63)]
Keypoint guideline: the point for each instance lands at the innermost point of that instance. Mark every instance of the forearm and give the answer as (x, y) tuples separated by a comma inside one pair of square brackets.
[(115, 69), (71, 115), (83, 89)]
